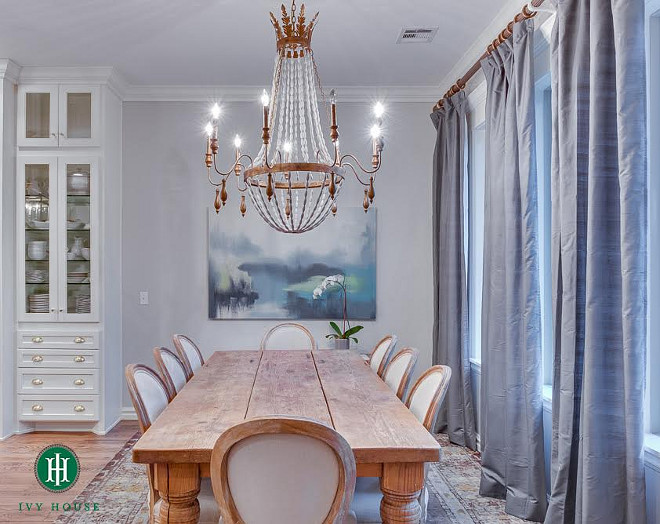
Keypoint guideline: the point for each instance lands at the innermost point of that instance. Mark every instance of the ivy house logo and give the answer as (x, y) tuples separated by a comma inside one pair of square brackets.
[(57, 468)]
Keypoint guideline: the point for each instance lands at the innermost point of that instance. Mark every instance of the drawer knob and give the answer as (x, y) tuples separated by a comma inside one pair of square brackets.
[(79, 382), (79, 408), (37, 340), (79, 340), (37, 407), (37, 358), (79, 359), (37, 381)]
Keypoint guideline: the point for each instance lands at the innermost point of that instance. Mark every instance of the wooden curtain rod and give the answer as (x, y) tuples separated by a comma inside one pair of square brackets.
[(524, 14)]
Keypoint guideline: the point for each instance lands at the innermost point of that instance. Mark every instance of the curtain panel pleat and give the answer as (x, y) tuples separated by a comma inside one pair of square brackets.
[(599, 262), (450, 330), (511, 404)]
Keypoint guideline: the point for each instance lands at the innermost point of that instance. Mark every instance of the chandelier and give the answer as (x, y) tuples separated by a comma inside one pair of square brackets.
[(293, 181)]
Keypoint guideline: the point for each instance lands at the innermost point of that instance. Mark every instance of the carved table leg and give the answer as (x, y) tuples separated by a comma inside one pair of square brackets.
[(178, 486), (401, 485)]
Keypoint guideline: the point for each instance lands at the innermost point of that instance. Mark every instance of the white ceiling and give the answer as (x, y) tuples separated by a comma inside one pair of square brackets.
[(231, 42)]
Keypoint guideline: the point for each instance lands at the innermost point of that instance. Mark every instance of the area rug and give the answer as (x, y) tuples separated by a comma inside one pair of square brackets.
[(121, 489)]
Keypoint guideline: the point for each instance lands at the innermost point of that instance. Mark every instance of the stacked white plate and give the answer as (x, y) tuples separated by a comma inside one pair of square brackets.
[(83, 304), (36, 276), (38, 303), (77, 277)]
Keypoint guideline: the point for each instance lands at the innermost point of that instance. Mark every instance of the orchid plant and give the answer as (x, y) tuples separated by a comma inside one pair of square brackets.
[(346, 332)]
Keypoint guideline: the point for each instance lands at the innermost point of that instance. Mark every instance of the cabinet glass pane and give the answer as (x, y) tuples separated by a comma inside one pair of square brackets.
[(37, 239), (37, 115), (79, 115), (78, 238)]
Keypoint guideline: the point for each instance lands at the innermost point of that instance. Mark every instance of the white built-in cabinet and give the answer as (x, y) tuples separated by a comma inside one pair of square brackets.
[(68, 141), (58, 115)]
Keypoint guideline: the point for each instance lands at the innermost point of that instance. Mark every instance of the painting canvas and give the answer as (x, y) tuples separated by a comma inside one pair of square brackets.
[(256, 272)]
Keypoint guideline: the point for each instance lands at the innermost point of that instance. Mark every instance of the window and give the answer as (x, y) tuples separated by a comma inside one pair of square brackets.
[(475, 225)]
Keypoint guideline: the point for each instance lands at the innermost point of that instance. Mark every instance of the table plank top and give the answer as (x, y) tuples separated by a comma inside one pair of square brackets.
[(332, 386)]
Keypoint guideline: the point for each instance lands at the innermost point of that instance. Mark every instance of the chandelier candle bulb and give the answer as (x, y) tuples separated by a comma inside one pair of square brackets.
[(379, 110), (215, 111)]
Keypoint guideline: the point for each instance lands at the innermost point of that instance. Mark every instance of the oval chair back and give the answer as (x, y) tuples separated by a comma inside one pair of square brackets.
[(171, 370), (282, 470), (398, 372), (381, 353), (189, 354), (428, 393), (288, 335)]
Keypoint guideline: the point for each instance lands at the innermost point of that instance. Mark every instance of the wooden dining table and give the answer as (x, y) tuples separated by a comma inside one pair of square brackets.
[(334, 387)]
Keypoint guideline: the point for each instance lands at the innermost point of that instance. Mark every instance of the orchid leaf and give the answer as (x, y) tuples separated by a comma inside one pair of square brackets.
[(352, 331), (334, 326)]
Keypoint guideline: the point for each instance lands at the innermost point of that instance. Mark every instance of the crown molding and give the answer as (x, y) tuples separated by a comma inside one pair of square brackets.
[(155, 93), (9, 70)]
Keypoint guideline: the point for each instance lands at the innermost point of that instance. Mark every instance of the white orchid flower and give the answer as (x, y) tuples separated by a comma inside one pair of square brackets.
[(317, 293)]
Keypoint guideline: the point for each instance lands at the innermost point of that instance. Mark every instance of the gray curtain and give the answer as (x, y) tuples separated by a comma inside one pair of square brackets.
[(450, 335), (599, 262), (511, 403)]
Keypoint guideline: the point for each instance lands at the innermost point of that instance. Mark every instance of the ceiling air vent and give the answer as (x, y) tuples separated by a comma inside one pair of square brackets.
[(417, 35)]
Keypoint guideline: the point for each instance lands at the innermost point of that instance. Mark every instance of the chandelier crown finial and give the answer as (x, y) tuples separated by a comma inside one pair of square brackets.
[(294, 31)]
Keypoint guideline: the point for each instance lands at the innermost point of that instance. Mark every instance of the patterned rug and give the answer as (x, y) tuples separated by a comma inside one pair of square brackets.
[(122, 490)]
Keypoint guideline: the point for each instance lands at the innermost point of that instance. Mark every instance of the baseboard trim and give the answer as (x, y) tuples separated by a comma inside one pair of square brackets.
[(128, 413)]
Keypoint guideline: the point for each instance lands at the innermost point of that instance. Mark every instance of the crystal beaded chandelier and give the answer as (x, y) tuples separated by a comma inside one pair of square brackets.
[(294, 180)]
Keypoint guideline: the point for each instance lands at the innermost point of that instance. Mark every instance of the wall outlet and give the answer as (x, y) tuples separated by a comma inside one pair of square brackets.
[(144, 298)]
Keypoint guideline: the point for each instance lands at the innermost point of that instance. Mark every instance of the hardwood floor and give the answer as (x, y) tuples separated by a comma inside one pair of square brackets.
[(18, 483)]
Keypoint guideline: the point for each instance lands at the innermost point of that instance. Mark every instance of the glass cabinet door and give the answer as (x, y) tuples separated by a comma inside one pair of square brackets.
[(79, 114), (37, 116), (37, 230), (79, 259)]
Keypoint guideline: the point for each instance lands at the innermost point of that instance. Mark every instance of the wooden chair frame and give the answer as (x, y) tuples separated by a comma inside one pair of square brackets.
[(144, 421), (407, 374), (287, 324), (164, 372), (183, 356), (381, 367), (283, 425), (433, 409)]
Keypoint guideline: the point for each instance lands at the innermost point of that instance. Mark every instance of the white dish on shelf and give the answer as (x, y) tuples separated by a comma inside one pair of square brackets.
[(39, 224), (75, 224)]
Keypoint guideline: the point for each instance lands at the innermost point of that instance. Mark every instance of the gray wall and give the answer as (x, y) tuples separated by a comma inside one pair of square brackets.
[(165, 200)]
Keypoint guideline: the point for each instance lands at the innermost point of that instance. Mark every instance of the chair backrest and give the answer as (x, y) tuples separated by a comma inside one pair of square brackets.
[(288, 335), (381, 353), (398, 372), (189, 354), (171, 369), (149, 394), (428, 393), (282, 470)]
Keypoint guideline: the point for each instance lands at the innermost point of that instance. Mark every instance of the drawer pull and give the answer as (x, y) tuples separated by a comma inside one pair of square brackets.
[(37, 340), (37, 358), (79, 359), (79, 340), (79, 382), (37, 381), (37, 407), (79, 408)]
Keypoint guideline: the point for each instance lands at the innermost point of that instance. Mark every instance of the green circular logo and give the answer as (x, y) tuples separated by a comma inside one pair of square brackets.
[(57, 468)]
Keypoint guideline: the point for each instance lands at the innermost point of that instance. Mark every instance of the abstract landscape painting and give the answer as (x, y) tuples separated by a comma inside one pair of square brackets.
[(256, 272)]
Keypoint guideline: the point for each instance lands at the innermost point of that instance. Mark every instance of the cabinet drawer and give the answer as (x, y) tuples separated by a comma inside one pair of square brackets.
[(54, 340), (57, 358), (58, 407), (59, 381)]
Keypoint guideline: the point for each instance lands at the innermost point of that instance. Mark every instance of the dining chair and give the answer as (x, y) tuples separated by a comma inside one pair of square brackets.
[(150, 396), (381, 353), (425, 400), (189, 354), (398, 372), (288, 335), (171, 369), (282, 470)]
